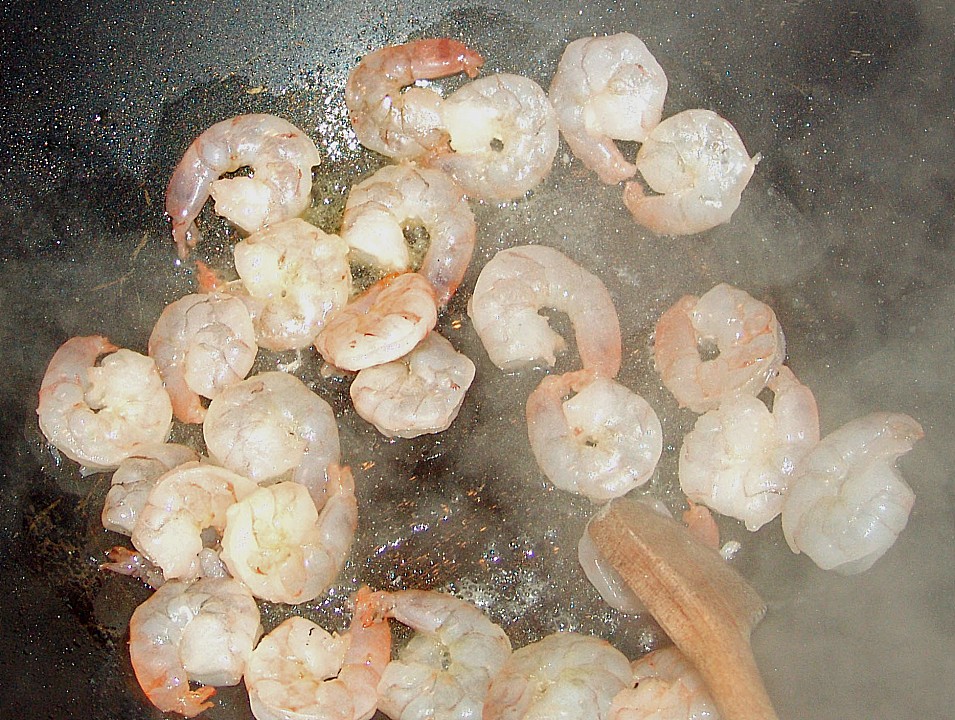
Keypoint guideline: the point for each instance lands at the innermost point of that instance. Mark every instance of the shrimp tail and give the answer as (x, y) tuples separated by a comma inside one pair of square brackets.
[(444, 56)]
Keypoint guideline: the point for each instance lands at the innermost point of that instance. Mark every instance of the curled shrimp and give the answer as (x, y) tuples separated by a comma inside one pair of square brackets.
[(849, 503), (698, 162), (200, 632), (602, 442), (749, 340), (518, 282), (403, 198), (404, 125), (668, 687), (97, 414), (281, 157), (605, 89)]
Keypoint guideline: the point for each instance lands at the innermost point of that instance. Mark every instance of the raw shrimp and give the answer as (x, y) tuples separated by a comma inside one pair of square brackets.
[(444, 671), (293, 277), (849, 503), (746, 334), (602, 442), (698, 162), (281, 157), (405, 197), (381, 325), (566, 675), (740, 458), (419, 393), (605, 89), (186, 500), (202, 343), (504, 137), (95, 414), (124, 561), (668, 688), (404, 125), (200, 632), (301, 672), (519, 281)]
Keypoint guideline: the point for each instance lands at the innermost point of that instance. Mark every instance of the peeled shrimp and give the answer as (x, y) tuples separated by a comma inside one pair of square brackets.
[(566, 675), (602, 442), (419, 393), (504, 137), (281, 157), (381, 325), (95, 414), (404, 125), (698, 163), (202, 343), (405, 197), (746, 334), (201, 632), (605, 89), (668, 688), (849, 504), (518, 282)]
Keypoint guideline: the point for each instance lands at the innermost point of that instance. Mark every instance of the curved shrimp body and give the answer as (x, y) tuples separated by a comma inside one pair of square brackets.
[(446, 668), (201, 632), (281, 157), (849, 504), (400, 198), (383, 324), (404, 125), (518, 282), (504, 137), (566, 675), (419, 393), (607, 88), (749, 340), (668, 688), (602, 442), (698, 163), (95, 414)]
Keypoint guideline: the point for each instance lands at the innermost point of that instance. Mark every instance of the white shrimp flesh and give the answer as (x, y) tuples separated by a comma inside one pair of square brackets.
[(668, 687)]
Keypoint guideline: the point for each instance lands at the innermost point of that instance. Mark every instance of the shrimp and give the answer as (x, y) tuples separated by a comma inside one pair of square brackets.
[(747, 336), (668, 688), (516, 283), (504, 137), (301, 671), (383, 324), (200, 632), (99, 414), (740, 458), (566, 675), (602, 442), (419, 393), (293, 278), (202, 343), (277, 542), (404, 125), (281, 157), (698, 162), (405, 197), (607, 88), (849, 503)]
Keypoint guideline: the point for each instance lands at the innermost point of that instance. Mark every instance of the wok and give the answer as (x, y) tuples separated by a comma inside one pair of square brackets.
[(846, 230)]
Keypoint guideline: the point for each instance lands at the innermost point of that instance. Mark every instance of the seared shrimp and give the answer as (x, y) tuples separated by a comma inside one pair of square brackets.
[(383, 324), (405, 197), (202, 343), (605, 89), (849, 504), (281, 157), (202, 632), (95, 414), (698, 163), (518, 282), (746, 334), (419, 393), (668, 688), (504, 137), (404, 125), (602, 442)]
